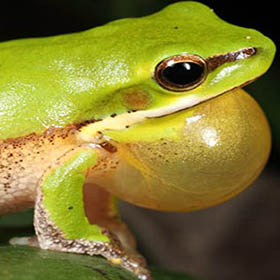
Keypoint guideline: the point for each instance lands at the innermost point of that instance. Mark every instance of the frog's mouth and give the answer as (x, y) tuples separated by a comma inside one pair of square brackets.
[(127, 119)]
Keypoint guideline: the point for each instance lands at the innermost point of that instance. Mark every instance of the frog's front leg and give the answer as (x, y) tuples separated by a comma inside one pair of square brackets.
[(60, 220)]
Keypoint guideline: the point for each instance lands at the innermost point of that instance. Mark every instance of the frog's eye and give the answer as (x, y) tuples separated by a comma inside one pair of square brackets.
[(181, 72)]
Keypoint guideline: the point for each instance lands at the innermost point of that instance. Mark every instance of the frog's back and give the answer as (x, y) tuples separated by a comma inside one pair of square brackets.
[(39, 85)]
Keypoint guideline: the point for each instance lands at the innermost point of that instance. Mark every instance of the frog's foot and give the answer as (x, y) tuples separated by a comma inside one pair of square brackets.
[(61, 221), (50, 237)]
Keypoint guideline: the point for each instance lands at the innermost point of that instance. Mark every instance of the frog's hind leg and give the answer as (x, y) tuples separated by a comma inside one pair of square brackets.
[(60, 221), (101, 209)]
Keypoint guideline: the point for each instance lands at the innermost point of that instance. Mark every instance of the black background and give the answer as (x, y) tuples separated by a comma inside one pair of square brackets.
[(49, 17)]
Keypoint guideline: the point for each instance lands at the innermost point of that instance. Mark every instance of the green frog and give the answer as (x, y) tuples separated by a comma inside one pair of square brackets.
[(149, 110)]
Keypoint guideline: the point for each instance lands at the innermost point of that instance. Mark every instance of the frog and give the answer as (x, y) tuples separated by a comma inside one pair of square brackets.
[(148, 110)]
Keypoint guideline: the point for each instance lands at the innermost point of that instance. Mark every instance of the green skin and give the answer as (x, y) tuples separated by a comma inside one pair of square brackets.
[(63, 80), (69, 79)]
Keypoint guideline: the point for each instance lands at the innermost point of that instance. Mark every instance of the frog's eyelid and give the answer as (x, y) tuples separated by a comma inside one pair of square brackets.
[(215, 61)]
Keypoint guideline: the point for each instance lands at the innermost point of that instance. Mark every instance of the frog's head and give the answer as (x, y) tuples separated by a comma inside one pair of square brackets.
[(175, 59), (180, 57), (185, 55)]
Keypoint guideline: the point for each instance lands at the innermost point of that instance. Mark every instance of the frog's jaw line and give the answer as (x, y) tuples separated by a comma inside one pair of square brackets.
[(89, 133)]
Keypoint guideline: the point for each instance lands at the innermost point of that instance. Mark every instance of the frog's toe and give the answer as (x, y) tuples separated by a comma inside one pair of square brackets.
[(25, 241), (126, 257)]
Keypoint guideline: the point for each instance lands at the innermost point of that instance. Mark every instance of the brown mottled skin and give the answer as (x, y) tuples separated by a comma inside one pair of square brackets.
[(24, 160)]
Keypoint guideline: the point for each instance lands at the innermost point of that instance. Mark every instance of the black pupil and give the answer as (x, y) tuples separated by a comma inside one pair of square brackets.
[(182, 73)]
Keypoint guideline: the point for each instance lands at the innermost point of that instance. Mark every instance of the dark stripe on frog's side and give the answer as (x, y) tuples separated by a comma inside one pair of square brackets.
[(215, 61)]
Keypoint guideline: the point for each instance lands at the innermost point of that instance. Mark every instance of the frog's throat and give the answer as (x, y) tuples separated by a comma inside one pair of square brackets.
[(91, 132)]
